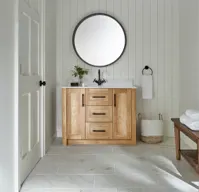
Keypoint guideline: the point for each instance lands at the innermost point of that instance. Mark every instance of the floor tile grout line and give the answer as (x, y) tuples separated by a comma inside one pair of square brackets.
[(94, 181), (57, 170), (75, 174)]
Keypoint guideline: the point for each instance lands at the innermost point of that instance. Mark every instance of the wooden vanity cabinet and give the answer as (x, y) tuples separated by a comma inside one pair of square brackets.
[(99, 116), (122, 114), (73, 114)]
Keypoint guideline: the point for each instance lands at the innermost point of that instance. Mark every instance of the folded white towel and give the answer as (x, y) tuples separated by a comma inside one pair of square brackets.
[(185, 119), (193, 127), (193, 114), (192, 124)]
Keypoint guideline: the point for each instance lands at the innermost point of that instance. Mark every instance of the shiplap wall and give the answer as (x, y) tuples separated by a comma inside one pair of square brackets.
[(152, 33), (189, 59)]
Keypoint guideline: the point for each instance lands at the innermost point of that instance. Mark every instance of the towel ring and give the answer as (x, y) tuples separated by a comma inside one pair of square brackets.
[(147, 68)]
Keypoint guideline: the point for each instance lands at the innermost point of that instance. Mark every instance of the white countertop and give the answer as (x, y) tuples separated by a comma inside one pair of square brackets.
[(110, 84), (100, 87)]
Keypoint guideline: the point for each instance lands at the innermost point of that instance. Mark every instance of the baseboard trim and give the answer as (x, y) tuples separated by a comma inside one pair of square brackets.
[(51, 141), (53, 137), (59, 134)]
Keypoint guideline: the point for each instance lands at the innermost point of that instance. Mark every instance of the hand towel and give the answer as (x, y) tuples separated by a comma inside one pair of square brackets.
[(192, 124), (147, 86), (193, 114)]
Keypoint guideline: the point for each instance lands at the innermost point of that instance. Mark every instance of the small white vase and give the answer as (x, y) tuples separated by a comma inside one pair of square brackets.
[(80, 81)]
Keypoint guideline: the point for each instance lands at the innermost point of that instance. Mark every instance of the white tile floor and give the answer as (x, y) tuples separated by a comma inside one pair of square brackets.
[(151, 168)]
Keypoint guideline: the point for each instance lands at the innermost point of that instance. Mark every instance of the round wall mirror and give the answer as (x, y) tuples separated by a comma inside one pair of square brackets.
[(99, 40)]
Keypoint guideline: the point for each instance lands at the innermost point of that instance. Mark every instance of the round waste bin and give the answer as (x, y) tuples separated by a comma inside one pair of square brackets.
[(152, 130)]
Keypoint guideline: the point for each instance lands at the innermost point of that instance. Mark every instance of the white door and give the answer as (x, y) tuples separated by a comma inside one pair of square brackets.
[(29, 88)]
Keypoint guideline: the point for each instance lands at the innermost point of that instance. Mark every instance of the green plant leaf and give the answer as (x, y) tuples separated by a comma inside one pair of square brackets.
[(79, 71)]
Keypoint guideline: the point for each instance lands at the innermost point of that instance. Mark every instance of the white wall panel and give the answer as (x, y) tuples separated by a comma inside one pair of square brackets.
[(152, 34), (50, 71), (189, 67), (9, 96)]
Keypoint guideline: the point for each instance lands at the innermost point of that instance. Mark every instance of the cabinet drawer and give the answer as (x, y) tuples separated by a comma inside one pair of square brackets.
[(98, 130), (98, 97), (99, 114)]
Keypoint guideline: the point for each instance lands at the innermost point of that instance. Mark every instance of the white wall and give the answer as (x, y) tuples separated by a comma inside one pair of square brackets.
[(50, 60), (8, 97), (189, 59), (152, 32)]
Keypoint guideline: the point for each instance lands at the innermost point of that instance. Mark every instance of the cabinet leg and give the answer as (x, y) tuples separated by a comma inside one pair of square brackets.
[(65, 141), (177, 142)]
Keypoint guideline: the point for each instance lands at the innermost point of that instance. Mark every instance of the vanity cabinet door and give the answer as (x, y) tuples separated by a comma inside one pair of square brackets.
[(122, 113), (75, 113)]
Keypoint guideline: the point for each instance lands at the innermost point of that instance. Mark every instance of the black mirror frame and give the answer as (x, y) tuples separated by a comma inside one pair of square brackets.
[(91, 15)]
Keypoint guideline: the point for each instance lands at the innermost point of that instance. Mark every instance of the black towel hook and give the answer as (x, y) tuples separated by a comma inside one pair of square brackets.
[(147, 68)]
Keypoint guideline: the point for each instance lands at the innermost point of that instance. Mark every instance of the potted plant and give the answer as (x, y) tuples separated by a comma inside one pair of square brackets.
[(80, 73)]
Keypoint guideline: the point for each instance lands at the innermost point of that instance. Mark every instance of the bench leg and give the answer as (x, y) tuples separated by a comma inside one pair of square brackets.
[(177, 141)]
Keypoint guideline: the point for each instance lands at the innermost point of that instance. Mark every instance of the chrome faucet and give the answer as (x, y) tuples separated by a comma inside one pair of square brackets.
[(99, 81)]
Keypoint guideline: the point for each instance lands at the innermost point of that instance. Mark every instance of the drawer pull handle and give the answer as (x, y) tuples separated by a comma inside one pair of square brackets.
[(99, 131), (99, 113), (83, 100), (99, 97), (114, 100)]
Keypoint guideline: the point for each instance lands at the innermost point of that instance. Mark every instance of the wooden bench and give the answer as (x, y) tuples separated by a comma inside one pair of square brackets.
[(192, 156)]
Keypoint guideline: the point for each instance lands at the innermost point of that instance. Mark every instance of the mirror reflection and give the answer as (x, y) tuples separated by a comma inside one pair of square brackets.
[(99, 40)]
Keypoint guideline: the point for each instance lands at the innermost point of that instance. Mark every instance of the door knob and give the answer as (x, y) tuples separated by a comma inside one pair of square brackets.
[(42, 83)]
